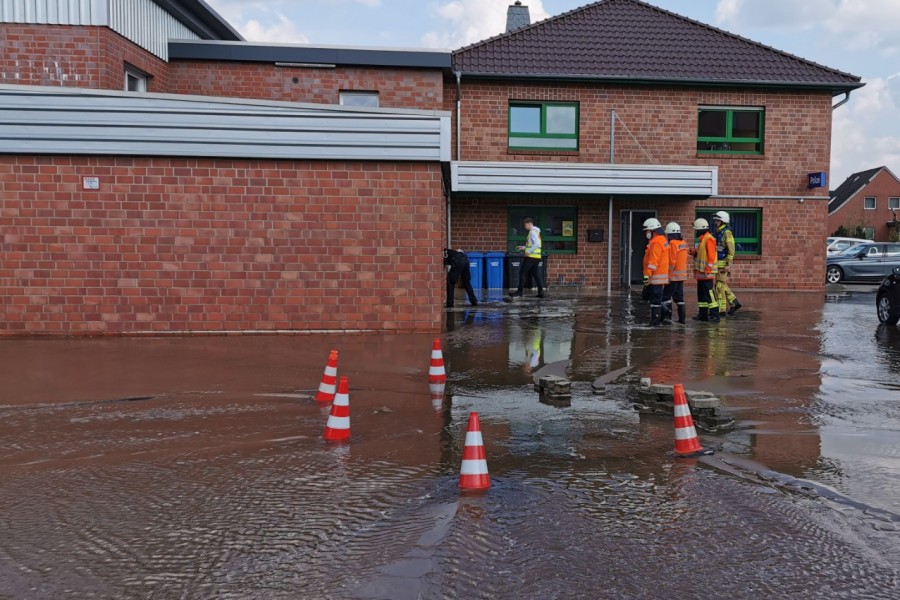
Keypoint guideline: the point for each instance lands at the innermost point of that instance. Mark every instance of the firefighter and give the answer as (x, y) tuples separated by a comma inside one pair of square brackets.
[(674, 291), (705, 273), (656, 268), (459, 271), (725, 256)]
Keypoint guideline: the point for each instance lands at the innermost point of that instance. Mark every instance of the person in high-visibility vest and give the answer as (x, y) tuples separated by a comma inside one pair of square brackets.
[(678, 273), (705, 273), (725, 256), (656, 268), (532, 261)]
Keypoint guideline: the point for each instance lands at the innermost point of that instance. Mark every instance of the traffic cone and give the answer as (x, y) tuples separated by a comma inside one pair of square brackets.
[(437, 397), (473, 474), (686, 441), (329, 379), (436, 372), (338, 427)]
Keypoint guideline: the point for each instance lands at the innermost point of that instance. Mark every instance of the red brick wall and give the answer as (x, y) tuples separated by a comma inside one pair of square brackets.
[(664, 123), (76, 56), (217, 245), (397, 88), (853, 212)]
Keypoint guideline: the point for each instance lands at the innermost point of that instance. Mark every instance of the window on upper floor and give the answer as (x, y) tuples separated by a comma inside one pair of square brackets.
[(894, 203), (357, 98), (135, 79), (869, 203), (730, 130), (746, 226), (543, 126)]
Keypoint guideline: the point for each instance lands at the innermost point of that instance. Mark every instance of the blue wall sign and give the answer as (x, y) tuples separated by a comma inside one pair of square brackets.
[(818, 180)]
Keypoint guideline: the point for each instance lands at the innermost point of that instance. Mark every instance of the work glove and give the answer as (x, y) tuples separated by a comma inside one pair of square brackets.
[(646, 280)]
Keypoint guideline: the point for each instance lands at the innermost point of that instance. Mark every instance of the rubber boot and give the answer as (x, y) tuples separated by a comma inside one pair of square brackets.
[(735, 305), (703, 315), (681, 312), (714, 315), (667, 313), (655, 316)]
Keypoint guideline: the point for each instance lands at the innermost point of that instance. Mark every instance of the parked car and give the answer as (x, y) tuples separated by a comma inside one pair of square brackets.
[(839, 244), (887, 301), (867, 262)]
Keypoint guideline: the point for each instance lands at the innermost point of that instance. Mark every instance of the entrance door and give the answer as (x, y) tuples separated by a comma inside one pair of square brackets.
[(632, 242)]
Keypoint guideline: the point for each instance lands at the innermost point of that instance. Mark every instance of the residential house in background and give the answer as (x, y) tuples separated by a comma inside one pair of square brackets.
[(867, 202)]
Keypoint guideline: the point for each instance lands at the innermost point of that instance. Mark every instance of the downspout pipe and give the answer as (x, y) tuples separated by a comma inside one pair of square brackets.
[(842, 102), (458, 75)]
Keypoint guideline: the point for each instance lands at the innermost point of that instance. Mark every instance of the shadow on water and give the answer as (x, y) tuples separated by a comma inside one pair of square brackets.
[(217, 484)]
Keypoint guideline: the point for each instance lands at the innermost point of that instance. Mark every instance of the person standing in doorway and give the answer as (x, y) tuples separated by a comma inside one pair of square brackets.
[(656, 268), (705, 273), (459, 271), (532, 261), (725, 256), (674, 290)]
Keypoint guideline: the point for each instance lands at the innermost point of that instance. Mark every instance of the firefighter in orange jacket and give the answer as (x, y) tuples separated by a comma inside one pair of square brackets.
[(656, 268), (674, 291), (705, 259)]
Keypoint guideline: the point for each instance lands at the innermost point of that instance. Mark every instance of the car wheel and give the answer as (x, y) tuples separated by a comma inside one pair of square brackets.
[(833, 274), (887, 314)]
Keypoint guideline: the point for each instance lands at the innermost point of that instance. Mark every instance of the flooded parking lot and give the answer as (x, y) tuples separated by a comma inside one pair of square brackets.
[(195, 468)]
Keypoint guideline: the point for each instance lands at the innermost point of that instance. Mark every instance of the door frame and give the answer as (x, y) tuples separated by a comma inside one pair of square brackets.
[(627, 242)]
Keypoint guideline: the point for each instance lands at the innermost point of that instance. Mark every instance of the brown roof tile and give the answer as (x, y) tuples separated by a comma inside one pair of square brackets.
[(632, 40)]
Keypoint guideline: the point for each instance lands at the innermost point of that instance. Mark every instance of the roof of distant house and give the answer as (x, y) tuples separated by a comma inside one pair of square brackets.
[(851, 186), (631, 41)]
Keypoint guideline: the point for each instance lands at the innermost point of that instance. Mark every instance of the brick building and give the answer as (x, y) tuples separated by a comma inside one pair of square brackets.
[(868, 200), (159, 174)]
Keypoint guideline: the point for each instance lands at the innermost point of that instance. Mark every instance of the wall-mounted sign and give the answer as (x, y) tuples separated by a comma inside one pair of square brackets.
[(90, 183), (817, 180), (568, 228)]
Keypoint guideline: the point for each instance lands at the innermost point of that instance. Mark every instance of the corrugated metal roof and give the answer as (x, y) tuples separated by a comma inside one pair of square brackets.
[(631, 40), (70, 121)]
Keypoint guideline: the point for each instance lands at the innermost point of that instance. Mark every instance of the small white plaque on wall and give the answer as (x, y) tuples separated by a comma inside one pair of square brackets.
[(90, 183)]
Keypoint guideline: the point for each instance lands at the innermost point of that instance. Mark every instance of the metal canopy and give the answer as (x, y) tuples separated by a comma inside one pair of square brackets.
[(584, 178)]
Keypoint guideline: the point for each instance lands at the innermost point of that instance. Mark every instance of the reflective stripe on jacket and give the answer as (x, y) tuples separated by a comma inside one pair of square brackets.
[(533, 243), (678, 253), (656, 260), (705, 261)]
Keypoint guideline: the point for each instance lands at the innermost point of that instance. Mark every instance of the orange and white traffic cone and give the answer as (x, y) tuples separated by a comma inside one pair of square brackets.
[(473, 474), (437, 397), (436, 372), (338, 426), (329, 379), (687, 444)]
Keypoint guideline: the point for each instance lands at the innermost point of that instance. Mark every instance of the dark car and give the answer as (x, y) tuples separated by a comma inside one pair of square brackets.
[(864, 262), (887, 301)]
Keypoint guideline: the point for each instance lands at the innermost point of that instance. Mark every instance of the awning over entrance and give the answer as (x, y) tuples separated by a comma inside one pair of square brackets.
[(584, 178)]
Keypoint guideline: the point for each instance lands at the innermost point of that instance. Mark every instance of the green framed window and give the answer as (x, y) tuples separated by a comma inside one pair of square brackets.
[(558, 224), (746, 225), (730, 130), (543, 125)]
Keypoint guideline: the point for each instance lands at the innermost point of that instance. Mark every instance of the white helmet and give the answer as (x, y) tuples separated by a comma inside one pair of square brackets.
[(701, 224), (722, 216), (673, 228), (652, 224)]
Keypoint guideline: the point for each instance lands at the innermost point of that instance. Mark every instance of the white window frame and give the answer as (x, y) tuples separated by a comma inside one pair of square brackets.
[(894, 203), (346, 96), (866, 203), (137, 75)]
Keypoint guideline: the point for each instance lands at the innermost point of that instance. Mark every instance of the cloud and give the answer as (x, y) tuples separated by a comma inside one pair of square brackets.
[(772, 14), (862, 136), (471, 21), (267, 24), (281, 32)]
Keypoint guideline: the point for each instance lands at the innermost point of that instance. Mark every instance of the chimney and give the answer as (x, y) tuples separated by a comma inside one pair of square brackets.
[(517, 17)]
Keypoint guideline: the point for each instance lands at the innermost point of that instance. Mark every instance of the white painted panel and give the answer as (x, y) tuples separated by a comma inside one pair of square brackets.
[(54, 12), (554, 178)]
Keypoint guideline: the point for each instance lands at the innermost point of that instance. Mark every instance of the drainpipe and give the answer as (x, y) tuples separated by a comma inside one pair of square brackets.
[(842, 102), (458, 114), (609, 226)]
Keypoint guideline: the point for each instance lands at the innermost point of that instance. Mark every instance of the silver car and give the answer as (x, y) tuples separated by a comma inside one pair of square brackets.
[(864, 262)]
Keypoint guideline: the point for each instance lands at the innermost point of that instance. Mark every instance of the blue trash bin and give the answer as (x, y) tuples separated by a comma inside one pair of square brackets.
[(494, 269), (476, 269)]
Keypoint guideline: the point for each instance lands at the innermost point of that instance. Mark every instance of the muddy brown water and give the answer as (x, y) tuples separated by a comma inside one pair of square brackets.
[(194, 467)]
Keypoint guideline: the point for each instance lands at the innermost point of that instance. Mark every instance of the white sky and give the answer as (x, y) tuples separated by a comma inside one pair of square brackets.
[(861, 37)]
